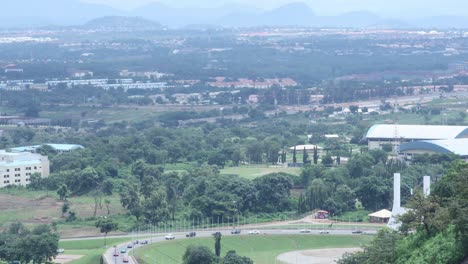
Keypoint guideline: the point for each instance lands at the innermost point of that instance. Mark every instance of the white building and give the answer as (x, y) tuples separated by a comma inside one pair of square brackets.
[(379, 135), (457, 147), (17, 168)]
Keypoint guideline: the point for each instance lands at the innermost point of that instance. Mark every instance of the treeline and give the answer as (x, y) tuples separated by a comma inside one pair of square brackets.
[(23, 245), (366, 178), (434, 229)]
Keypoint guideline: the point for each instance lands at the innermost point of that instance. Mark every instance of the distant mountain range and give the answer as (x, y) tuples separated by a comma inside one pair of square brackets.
[(122, 23), (34, 13)]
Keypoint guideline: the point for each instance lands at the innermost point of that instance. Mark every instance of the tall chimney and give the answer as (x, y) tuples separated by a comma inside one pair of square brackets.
[(396, 192), (427, 185)]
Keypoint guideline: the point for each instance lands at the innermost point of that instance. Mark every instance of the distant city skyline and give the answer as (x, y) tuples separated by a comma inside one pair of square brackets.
[(395, 8)]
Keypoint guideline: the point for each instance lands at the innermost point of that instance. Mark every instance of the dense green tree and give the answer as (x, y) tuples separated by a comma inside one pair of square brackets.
[(131, 200), (38, 245), (85, 181), (106, 225), (374, 192), (35, 182), (425, 212), (63, 192), (317, 194), (46, 150), (155, 207), (360, 165), (217, 237), (316, 155), (327, 160), (309, 173), (198, 255), (382, 250), (273, 192), (305, 156), (232, 258), (294, 155)]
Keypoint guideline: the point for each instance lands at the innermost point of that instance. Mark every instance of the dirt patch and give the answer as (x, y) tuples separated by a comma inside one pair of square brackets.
[(62, 259), (316, 256), (40, 210)]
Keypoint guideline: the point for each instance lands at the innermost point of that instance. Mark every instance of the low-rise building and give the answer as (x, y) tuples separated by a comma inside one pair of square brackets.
[(60, 148), (17, 168)]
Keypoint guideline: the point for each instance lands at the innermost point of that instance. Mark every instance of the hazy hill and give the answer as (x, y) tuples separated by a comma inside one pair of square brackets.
[(26, 13), (189, 15), (122, 23), (45, 12)]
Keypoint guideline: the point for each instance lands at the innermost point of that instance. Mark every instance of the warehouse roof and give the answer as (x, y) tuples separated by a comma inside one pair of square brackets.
[(420, 132), (57, 147), (455, 146)]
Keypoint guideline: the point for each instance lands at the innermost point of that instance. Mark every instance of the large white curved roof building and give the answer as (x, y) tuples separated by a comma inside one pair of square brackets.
[(379, 135)]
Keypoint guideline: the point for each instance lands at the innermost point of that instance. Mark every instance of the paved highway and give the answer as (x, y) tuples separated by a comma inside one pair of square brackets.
[(158, 238)]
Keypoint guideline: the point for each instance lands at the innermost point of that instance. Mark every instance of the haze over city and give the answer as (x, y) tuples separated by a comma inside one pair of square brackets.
[(395, 8)]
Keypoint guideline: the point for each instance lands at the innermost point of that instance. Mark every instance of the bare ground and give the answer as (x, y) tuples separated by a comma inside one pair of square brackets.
[(62, 259)]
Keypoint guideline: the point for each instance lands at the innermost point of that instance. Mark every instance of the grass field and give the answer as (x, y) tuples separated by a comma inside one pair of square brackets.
[(262, 249), (323, 226), (254, 172), (354, 216), (90, 249), (40, 207)]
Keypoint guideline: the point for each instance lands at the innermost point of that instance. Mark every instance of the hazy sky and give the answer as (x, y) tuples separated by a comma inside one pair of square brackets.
[(393, 8)]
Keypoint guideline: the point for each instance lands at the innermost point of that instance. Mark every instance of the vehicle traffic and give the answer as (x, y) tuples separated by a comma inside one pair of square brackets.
[(191, 234), (235, 231), (169, 237)]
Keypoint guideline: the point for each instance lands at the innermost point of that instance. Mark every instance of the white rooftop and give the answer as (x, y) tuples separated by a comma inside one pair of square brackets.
[(307, 147), (58, 147), (381, 214), (421, 132), (455, 146), (15, 159)]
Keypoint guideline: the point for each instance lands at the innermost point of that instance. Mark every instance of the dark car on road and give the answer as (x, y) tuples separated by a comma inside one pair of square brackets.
[(191, 234), (357, 231), (235, 231)]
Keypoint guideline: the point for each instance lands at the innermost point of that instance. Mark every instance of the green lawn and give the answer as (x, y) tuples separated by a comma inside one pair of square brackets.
[(262, 249), (324, 226), (254, 172), (90, 249), (109, 114), (354, 216)]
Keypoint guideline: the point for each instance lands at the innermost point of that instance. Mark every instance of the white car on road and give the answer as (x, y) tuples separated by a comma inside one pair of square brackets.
[(305, 231), (254, 232), (170, 237), (324, 232)]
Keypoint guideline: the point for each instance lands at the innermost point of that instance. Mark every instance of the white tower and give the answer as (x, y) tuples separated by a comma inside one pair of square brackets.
[(427, 185), (396, 209), (396, 191)]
